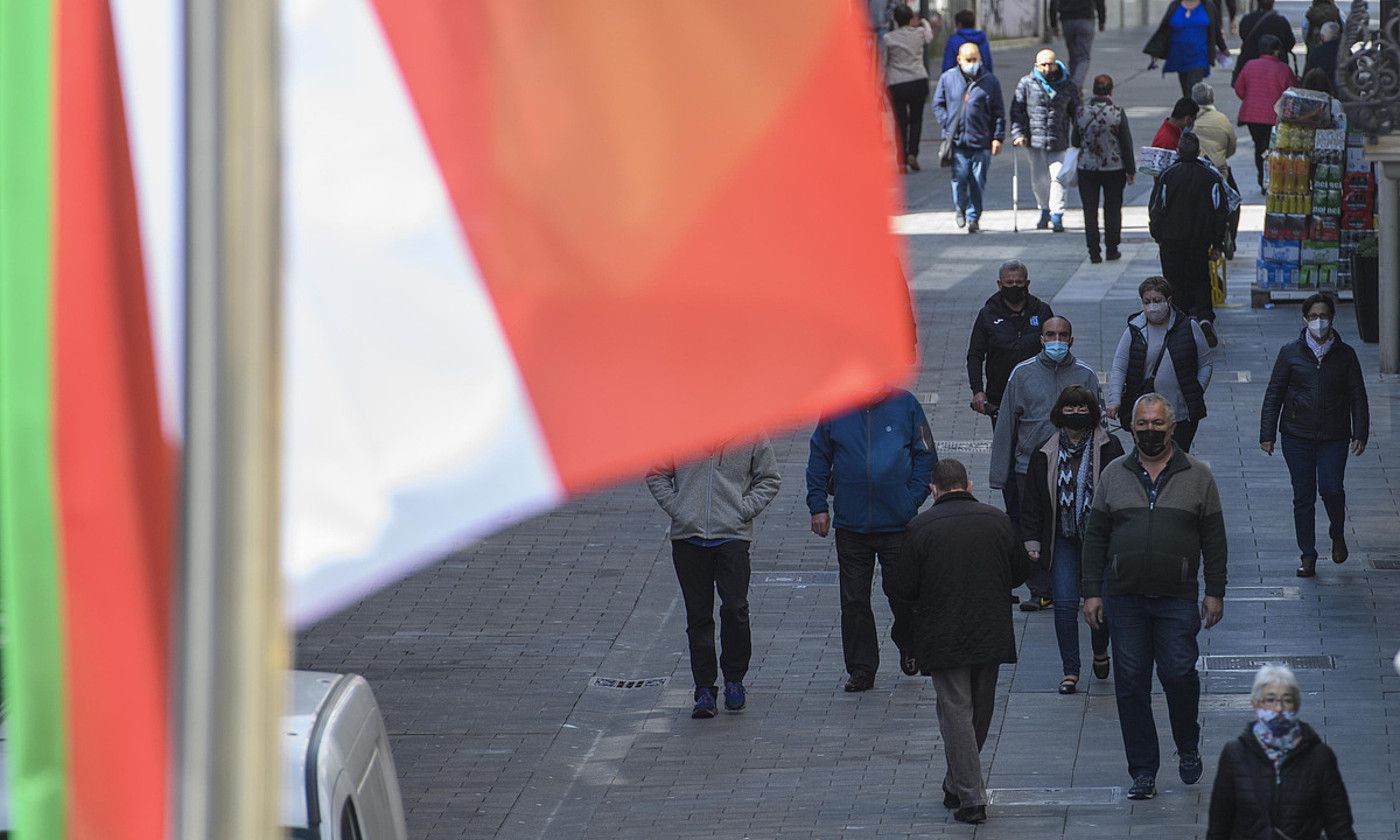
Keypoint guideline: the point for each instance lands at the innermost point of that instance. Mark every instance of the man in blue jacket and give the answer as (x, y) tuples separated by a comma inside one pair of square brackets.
[(877, 461), (968, 105)]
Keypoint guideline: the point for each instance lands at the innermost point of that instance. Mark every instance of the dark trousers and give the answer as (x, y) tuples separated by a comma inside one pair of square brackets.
[(1259, 133), (1161, 630), (1038, 582), (1186, 265), (856, 554), (1316, 467), (701, 571), (1188, 78), (1185, 433), (1111, 184), (1065, 573), (1235, 216), (908, 100)]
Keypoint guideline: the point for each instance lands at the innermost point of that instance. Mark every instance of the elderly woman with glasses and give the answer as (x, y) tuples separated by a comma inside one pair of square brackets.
[(1278, 780)]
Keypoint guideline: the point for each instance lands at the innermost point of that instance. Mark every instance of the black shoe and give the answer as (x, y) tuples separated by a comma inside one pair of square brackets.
[(1144, 787), (1101, 664), (1044, 223), (1339, 550), (1113, 255), (735, 698), (1094, 257), (704, 703), (949, 800), (1208, 330), (1307, 567), (1057, 224), (961, 220), (1190, 767), (972, 227), (974, 815), (1037, 604), (909, 664), (860, 682), (1069, 685)]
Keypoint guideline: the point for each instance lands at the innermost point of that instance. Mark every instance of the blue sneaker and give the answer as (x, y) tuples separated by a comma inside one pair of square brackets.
[(704, 703), (1190, 767), (1144, 787), (734, 697)]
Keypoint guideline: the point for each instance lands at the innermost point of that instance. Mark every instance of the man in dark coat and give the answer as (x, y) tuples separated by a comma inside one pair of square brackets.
[(1189, 216), (963, 561), (1264, 20)]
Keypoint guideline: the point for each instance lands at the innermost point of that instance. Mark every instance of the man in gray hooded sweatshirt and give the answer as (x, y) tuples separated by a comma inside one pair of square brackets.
[(712, 504), (1024, 424)]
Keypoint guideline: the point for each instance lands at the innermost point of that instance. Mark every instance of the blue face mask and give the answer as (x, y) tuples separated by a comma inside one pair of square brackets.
[(972, 67), (1056, 350)]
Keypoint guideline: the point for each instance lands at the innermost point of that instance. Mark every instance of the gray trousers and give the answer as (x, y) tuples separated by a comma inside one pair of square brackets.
[(1079, 40), (965, 700)]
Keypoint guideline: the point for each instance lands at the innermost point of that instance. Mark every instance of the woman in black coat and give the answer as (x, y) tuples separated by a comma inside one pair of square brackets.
[(1317, 399), (1278, 779), (1054, 508)]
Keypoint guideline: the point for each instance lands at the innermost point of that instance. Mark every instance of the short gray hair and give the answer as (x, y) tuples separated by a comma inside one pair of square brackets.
[(1154, 398), (1013, 266), (1279, 675), (1202, 93), (1330, 30)]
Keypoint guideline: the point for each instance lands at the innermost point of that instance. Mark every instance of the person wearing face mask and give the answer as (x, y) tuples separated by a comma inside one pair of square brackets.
[(1316, 398), (1188, 215), (1162, 350), (1059, 489), (968, 105), (1278, 779), (1024, 424), (1005, 333), (1042, 115), (1156, 521)]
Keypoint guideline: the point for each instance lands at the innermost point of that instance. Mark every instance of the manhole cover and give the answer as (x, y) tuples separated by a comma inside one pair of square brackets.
[(1254, 663), (1385, 564), (1262, 593), (964, 446), (622, 684), (797, 580), (1055, 796)]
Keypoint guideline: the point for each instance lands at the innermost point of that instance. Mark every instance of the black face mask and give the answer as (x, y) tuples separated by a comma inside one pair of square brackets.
[(1014, 294), (1076, 422), (1151, 442)]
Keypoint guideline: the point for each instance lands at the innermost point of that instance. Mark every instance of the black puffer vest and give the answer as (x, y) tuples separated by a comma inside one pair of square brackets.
[(1181, 347)]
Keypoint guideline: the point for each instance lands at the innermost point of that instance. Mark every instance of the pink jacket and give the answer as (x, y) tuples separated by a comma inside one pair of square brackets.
[(1262, 81)]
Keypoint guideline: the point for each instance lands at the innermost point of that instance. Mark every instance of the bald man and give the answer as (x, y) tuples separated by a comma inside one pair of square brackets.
[(1042, 113), (968, 105)]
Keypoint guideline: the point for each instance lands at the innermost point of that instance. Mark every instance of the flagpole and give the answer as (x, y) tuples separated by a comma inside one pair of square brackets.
[(233, 647)]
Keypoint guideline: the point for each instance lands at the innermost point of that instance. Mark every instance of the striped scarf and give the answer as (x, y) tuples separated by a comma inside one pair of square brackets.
[(1074, 487)]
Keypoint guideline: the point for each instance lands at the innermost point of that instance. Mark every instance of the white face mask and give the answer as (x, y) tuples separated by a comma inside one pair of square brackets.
[(1319, 327), (1156, 312)]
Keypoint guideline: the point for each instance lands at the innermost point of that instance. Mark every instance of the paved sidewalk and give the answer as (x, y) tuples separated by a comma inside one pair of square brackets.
[(484, 663)]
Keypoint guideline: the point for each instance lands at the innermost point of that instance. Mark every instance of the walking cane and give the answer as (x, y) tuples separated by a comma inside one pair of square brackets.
[(1015, 190)]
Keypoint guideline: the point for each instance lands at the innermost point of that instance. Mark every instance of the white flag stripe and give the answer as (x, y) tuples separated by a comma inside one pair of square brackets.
[(407, 430)]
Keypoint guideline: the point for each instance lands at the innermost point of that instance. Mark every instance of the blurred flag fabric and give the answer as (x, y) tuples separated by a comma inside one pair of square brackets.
[(529, 249)]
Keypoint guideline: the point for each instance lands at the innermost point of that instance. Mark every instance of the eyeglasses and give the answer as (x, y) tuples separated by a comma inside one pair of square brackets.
[(1286, 702)]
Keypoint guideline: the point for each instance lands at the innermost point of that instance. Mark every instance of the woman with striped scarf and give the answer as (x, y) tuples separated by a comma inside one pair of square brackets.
[(1054, 509)]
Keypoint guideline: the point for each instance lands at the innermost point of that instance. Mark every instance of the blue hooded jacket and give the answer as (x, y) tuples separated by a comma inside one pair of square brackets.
[(967, 36), (877, 461)]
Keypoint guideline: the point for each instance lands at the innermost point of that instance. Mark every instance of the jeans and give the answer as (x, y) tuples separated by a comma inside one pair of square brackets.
[(1188, 78), (1259, 133), (1186, 265), (1161, 630), (908, 99), (702, 570), (1038, 582), (1045, 183), (1111, 183), (965, 698), (1064, 571), (856, 554), (969, 179), (1079, 40), (1316, 467)]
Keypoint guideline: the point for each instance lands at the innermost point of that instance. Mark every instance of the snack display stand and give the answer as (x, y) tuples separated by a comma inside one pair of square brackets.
[(1321, 201)]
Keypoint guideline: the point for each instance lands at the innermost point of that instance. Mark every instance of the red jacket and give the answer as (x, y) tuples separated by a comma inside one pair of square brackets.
[(1262, 81), (1168, 136)]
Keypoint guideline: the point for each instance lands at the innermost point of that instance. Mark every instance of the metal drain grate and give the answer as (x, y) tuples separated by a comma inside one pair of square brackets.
[(1254, 663), (621, 684), (1055, 796), (1385, 564), (971, 446), (797, 580)]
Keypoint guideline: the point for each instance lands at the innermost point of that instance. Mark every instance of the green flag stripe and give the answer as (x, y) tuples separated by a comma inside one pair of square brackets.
[(30, 585)]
